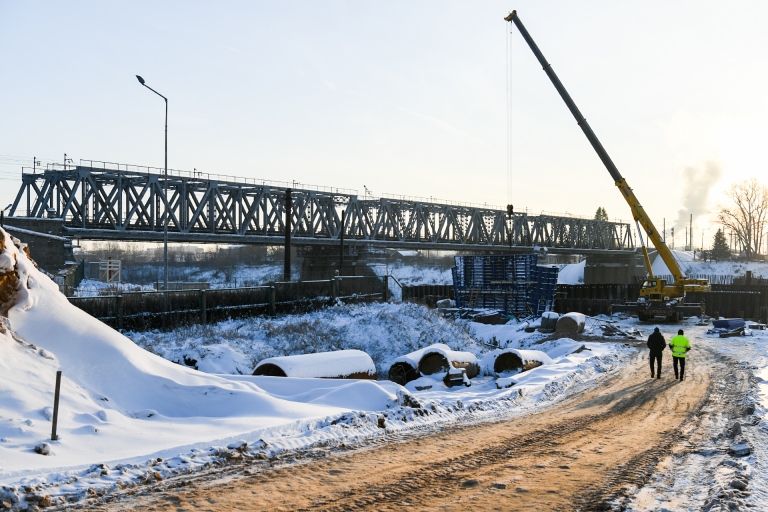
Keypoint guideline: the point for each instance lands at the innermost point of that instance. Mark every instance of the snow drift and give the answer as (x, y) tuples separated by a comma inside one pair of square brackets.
[(114, 392)]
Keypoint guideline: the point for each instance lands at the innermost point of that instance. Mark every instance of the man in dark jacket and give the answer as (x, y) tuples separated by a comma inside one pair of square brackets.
[(657, 344)]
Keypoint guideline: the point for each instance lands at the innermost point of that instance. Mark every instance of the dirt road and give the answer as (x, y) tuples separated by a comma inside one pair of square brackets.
[(580, 454)]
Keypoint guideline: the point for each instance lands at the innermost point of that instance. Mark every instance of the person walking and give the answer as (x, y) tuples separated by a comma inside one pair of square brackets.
[(679, 345), (656, 344)]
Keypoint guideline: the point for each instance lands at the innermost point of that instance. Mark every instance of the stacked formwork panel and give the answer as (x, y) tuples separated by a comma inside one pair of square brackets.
[(514, 284)]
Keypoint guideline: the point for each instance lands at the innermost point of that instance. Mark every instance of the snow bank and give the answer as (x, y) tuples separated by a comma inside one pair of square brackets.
[(572, 273), (114, 393)]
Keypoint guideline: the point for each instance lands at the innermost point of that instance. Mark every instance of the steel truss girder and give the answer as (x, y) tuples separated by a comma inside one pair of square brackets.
[(125, 202)]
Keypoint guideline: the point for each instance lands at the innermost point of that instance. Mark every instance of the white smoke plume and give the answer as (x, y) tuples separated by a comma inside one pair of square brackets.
[(697, 184)]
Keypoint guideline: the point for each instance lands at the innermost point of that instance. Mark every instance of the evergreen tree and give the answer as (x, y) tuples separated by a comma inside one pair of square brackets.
[(601, 214), (720, 250)]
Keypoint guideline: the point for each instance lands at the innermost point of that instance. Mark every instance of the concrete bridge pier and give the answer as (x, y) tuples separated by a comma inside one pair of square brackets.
[(49, 244), (617, 268), (322, 262)]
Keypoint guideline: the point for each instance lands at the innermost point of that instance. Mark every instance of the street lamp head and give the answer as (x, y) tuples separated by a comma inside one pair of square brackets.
[(141, 80)]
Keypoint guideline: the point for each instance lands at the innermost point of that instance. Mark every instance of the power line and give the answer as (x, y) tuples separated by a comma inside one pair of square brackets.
[(25, 161)]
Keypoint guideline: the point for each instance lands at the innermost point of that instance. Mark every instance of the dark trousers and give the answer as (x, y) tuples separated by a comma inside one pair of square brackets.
[(656, 357), (681, 360)]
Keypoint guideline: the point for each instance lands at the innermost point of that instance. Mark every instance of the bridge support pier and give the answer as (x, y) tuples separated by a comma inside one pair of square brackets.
[(618, 268), (322, 262), (47, 240)]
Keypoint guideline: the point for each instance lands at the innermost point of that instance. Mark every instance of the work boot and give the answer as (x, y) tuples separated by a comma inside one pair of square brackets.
[(675, 377), (659, 376), (651, 374)]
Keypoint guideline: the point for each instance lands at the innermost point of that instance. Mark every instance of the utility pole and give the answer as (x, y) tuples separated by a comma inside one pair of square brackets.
[(341, 248), (690, 223), (288, 215)]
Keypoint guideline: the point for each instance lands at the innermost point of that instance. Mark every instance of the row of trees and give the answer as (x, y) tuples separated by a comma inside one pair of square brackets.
[(745, 215)]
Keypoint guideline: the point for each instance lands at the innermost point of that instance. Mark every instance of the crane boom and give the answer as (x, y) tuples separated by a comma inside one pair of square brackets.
[(653, 289)]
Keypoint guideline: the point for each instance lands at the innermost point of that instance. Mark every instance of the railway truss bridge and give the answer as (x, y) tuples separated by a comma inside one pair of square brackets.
[(104, 201)]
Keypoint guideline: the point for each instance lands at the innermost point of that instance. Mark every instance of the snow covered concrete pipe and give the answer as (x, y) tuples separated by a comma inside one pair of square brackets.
[(549, 321), (571, 323), (406, 368), (436, 359), (340, 364), (507, 360)]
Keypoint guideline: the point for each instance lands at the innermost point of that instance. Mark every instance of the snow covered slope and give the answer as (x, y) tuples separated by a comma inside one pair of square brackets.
[(119, 400)]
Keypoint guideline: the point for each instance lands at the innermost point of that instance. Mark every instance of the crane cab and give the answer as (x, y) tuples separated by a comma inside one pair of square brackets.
[(654, 290)]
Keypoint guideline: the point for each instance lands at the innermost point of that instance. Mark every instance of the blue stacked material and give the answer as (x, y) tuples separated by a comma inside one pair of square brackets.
[(514, 284), (546, 288), (727, 323)]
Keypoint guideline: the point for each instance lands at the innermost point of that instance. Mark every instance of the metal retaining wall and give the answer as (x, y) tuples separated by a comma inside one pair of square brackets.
[(727, 300), (153, 310)]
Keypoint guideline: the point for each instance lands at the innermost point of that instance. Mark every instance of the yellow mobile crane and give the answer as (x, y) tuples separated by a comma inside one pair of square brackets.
[(657, 297)]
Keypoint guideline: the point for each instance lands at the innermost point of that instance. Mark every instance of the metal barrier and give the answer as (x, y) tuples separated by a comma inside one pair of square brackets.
[(728, 300)]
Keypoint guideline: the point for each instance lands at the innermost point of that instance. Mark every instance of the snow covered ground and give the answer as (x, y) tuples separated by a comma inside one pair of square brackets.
[(126, 413), (129, 416), (696, 477)]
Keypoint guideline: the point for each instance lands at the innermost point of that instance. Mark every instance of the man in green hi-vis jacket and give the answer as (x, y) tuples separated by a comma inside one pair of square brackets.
[(679, 346)]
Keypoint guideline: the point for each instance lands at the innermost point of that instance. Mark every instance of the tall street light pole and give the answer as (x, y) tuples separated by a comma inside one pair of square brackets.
[(165, 198)]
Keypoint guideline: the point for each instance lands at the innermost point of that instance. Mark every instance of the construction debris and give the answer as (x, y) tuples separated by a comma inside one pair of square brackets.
[(456, 377), (739, 331)]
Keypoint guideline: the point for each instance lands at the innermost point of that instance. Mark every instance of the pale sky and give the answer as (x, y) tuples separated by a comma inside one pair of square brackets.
[(403, 97)]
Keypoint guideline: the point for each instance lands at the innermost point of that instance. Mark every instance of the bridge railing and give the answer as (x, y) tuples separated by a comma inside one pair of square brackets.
[(206, 176)]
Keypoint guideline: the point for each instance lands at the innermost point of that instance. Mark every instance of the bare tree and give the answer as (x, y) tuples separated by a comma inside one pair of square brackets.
[(746, 216)]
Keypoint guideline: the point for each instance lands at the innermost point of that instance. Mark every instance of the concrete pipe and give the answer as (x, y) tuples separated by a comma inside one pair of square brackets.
[(406, 368), (508, 360), (439, 360), (340, 364), (571, 324)]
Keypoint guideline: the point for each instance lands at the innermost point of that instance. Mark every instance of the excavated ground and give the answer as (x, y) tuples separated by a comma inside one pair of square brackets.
[(588, 452)]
